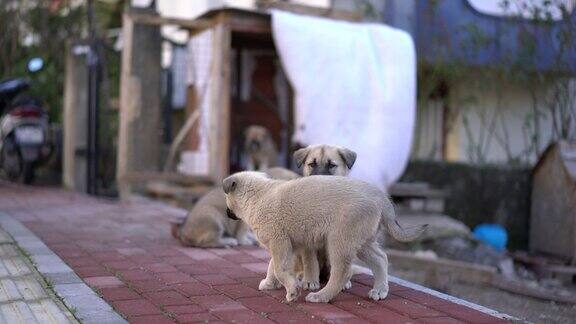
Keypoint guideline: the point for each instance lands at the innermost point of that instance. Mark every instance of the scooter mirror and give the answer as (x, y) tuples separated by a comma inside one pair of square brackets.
[(35, 64)]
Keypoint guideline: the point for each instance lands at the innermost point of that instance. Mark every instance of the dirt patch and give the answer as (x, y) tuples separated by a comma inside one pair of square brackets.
[(527, 308)]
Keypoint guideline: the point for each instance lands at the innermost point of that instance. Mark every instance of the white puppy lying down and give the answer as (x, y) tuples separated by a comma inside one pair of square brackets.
[(339, 214)]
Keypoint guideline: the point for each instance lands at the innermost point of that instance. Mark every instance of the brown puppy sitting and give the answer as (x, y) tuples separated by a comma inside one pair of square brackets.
[(260, 148), (207, 224)]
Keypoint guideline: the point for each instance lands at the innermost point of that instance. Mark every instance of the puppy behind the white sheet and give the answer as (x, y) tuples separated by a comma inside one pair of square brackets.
[(260, 149)]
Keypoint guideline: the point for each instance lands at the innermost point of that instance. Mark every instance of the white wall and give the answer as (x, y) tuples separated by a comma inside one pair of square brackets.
[(427, 143), (494, 124)]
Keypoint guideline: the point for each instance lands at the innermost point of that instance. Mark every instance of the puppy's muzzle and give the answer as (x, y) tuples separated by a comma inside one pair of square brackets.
[(231, 214), (321, 171), (254, 146)]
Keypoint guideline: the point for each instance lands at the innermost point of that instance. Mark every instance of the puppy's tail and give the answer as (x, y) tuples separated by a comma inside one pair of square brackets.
[(396, 231)]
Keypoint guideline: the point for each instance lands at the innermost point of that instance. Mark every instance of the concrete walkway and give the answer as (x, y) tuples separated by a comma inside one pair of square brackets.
[(126, 254), (24, 295)]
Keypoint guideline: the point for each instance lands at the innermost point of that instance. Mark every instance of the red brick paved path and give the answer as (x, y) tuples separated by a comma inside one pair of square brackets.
[(126, 253)]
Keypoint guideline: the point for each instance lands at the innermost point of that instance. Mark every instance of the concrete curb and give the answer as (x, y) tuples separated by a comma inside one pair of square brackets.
[(440, 295), (454, 300), (90, 308)]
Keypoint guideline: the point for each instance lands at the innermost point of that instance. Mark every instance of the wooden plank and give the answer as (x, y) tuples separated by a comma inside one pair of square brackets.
[(225, 104), (521, 288), (463, 271), (75, 117), (250, 25), (127, 107), (220, 99), (311, 11), (150, 19), (144, 176), (169, 189), (570, 270), (139, 143), (415, 191), (192, 142)]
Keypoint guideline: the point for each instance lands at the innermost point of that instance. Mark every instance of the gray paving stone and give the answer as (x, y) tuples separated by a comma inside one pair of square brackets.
[(14, 228), (5, 238), (47, 311), (103, 317), (63, 278), (14, 267), (9, 291), (8, 250), (50, 264), (35, 247), (73, 289), (22, 294), (17, 312), (22, 288), (85, 304), (30, 289)]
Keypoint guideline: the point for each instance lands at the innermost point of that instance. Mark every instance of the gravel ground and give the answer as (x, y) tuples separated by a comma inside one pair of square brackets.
[(526, 308)]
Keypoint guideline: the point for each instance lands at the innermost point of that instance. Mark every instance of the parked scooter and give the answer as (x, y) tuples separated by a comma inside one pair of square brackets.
[(23, 128)]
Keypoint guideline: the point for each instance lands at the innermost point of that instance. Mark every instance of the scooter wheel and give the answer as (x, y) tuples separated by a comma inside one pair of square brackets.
[(28, 173)]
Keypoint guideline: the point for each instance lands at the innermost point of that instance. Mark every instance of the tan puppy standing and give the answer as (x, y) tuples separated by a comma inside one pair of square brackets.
[(319, 159), (338, 214)]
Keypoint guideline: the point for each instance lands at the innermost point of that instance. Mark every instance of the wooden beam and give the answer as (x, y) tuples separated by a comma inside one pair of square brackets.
[(463, 271), (250, 25), (127, 98), (139, 142), (220, 99), (311, 11), (166, 189), (75, 120), (149, 19), (145, 176), (521, 288)]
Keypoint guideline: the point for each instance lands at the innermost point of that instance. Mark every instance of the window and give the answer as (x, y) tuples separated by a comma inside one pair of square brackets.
[(542, 9)]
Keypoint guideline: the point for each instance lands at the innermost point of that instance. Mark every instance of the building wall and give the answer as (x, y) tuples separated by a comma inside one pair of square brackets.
[(494, 124), (427, 144)]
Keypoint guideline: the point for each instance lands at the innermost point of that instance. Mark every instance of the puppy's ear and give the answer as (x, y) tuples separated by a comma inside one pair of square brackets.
[(348, 156), (301, 155), (229, 184)]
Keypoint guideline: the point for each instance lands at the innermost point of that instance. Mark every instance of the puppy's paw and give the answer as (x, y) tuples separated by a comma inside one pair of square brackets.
[(229, 241), (310, 285), (292, 295), (317, 298), (348, 285), (246, 241), (377, 294), (266, 284)]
